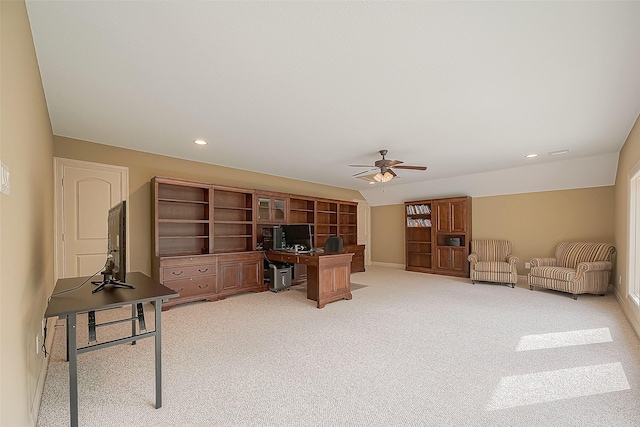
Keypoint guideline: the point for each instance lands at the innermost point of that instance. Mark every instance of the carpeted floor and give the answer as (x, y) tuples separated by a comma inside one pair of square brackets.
[(409, 349)]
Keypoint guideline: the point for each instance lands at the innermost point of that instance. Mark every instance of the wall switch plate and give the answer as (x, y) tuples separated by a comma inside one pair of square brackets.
[(620, 280), (527, 265), (5, 184)]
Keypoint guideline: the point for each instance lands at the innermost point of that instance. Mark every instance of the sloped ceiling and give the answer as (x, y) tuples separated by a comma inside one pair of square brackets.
[(304, 89)]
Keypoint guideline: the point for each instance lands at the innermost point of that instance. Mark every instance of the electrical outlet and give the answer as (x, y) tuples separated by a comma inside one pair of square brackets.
[(527, 265), (37, 344), (5, 184)]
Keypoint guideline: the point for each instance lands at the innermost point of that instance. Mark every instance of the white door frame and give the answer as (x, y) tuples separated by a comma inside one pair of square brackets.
[(59, 165)]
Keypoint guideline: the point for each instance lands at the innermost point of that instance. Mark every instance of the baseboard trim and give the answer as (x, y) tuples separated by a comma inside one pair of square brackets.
[(388, 264), (627, 312), (42, 376)]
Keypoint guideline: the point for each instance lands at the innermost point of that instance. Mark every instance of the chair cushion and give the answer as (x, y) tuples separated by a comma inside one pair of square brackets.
[(493, 266), (556, 273)]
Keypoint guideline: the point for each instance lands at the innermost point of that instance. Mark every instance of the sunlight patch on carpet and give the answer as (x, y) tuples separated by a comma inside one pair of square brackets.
[(564, 339), (539, 387)]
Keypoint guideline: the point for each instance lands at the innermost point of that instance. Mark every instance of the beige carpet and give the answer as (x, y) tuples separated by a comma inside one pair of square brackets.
[(409, 349)]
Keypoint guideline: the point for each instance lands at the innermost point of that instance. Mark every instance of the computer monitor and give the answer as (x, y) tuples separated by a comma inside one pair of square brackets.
[(115, 269), (298, 234)]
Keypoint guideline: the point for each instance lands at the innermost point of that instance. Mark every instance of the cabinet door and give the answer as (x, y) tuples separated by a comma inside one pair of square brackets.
[(443, 258), (272, 209), (250, 274), (458, 222), (230, 276), (458, 261), (443, 217)]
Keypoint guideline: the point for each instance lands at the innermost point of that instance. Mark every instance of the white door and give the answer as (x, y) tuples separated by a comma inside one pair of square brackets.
[(84, 194)]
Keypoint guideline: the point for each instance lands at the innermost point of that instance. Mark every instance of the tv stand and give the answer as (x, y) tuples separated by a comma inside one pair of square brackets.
[(107, 279)]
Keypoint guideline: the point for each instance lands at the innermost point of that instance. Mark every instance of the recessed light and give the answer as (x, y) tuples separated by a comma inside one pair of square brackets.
[(200, 141), (529, 156), (372, 183), (555, 153)]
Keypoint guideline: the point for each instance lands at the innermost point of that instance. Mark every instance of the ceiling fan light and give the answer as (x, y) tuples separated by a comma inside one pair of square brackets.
[(386, 177)]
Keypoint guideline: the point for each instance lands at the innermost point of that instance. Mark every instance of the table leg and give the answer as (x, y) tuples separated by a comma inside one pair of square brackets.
[(72, 352), (134, 316), (158, 337)]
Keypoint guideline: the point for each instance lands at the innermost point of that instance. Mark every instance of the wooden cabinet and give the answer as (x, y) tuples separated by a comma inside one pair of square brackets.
[(194, 278), (205, 235), (357, 262), (271, 208), (241, 272), (437, 235)]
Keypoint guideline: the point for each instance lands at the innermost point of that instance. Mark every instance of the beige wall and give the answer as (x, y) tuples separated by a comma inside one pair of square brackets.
[(144, 166), (533, 222), (629, 157), (387, 234), (26, 218)]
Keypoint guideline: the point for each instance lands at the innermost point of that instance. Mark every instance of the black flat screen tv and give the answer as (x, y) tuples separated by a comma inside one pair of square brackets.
[(115, 270)]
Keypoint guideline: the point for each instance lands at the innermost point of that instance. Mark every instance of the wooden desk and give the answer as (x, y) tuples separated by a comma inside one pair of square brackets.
[(68, 305), (328, 275)]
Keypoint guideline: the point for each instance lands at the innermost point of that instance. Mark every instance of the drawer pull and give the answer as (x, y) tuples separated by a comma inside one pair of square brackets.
[(203, 287), (177, 273), (203, 271)]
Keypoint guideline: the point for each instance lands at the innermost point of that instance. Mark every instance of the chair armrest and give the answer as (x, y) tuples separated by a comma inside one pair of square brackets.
[(544, 262), (513, 260), (584, 267), (473, 258)]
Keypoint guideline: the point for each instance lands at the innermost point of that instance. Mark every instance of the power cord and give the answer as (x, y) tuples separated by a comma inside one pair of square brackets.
[(44, 338), (109, 257)]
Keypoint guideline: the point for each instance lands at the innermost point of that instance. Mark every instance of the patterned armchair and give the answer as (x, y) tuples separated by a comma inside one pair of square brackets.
[(491, 261), (578, 268)]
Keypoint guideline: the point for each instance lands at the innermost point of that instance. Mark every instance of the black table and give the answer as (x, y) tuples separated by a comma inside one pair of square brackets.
[(68, 305)]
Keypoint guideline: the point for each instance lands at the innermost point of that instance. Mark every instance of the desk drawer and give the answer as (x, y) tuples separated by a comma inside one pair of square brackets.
[(194, 286), (187, 271)]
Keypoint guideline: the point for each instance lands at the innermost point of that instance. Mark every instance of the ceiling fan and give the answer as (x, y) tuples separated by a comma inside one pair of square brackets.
[(385, 168)]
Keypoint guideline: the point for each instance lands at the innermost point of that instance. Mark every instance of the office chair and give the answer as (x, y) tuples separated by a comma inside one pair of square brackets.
[(333, 245)]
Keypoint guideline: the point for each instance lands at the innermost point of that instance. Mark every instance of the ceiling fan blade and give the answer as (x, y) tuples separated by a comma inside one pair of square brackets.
[(393, 162), (416, 168), (392, 172), (361, 166), (363, 172)]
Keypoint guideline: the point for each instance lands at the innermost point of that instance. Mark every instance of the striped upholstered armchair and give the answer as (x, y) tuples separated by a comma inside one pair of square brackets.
[(577, 268), (491, 261)]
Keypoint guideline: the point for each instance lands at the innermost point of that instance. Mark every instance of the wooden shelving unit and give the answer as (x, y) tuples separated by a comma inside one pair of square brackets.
[(437, 235), (326, 221), (301, 211), (205, 235), (348, 223), (183, 220), (233, 222)]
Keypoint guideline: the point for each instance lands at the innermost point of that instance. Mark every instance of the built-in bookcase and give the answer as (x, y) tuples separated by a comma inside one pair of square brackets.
[(233, 222), (348, 223), (418, 234), (326, 221), (183, 219), (437, 235)]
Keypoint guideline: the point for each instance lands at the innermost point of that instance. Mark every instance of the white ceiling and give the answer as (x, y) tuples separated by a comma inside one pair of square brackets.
[(303, 89)]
